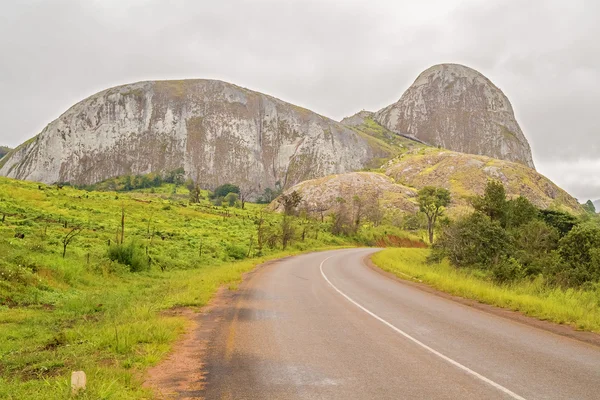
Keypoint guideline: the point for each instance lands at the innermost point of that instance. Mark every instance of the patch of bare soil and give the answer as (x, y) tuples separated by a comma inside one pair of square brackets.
[(181, 375)]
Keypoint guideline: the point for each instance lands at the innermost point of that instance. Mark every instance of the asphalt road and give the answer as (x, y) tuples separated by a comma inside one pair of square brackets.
[(325, 326)]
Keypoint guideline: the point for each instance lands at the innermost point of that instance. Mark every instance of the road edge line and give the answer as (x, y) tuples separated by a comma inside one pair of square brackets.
[(418, 342)]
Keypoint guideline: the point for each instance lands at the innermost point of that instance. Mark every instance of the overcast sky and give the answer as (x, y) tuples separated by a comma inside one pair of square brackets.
[(333, 57)]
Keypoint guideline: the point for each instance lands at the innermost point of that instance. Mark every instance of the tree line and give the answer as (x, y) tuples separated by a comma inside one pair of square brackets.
[(512, 239)]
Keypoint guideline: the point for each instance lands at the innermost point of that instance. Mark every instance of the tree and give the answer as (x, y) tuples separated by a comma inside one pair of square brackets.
[(342, 223), (176, 176), (589, 207), (290, 203), (562, 221), (475, 240), (225, 189), (69, 238), (246, 190), (231, 199), (519, 211), (493, 203), (432, 202), (579, 250), (195, 191), (535, 242)]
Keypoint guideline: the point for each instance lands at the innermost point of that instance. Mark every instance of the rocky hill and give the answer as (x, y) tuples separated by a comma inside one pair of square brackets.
[(216, 131), (458, 108), (464, 175), (322, 195), (4, 151)]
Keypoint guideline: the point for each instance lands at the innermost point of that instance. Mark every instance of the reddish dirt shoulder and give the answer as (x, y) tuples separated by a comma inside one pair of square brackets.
[(181, 375)]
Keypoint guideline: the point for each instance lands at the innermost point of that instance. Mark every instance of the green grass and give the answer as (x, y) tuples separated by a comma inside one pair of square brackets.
[(577, 307), (86, 312)]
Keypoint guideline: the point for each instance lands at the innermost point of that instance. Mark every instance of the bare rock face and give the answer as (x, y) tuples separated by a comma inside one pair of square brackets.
[(218, 132), (321, 195), (458, 108)]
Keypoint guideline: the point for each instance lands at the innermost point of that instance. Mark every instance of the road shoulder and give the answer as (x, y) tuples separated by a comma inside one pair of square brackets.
[(562, 330)]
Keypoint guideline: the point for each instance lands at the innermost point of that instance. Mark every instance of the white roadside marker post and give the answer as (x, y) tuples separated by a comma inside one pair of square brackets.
[(78, 382)]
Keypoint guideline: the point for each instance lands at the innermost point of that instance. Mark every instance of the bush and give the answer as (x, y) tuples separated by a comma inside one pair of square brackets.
[(535, 242), (475, 241), (225, 189), (563, 222), (580, 251), (130, 255), (231, 199), (236, 252), (507, 270)]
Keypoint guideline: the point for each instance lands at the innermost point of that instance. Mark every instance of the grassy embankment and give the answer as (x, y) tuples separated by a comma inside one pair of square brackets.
[(577, 307), (86, 312)]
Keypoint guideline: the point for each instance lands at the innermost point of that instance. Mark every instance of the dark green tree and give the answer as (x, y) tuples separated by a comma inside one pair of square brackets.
[(562, 221), (535, 242), (432, 202), (225, 189), (579, 250), (519, 211), (493, 202), (475, 240)]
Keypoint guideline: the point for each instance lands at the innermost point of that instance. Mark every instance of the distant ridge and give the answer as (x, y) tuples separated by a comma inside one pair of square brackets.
[(4, 151)]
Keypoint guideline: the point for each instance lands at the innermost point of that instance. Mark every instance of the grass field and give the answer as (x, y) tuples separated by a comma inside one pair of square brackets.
[(86, 312), (577, 307)]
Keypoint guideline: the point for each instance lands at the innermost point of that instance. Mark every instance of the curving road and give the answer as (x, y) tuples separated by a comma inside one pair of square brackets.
[(325, 326)]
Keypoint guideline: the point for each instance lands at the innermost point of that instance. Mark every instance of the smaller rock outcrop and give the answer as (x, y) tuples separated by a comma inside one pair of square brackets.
[(322, 195)]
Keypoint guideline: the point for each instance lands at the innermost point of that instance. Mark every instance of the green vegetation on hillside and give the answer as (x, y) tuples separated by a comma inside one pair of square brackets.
[(513, 240), (4, 151), (101, 308), (466, 175), (509, 253), (385, 140)]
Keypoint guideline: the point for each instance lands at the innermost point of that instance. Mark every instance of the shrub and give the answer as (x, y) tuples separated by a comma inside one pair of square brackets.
[(225, 189), (563, 222), (236, 251), (507, 270), (475, 241), (130, 255), (231, 199), (580, 250), (535, 242)]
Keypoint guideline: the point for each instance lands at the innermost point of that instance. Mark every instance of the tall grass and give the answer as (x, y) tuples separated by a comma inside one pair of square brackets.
[(577, 307), (101, 308)]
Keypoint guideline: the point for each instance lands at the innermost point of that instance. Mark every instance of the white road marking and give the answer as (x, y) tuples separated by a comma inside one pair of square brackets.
[(418, 342)]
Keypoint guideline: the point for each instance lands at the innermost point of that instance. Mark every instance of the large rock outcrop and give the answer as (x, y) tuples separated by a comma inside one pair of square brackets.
[(217, 132), (458, 108)]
